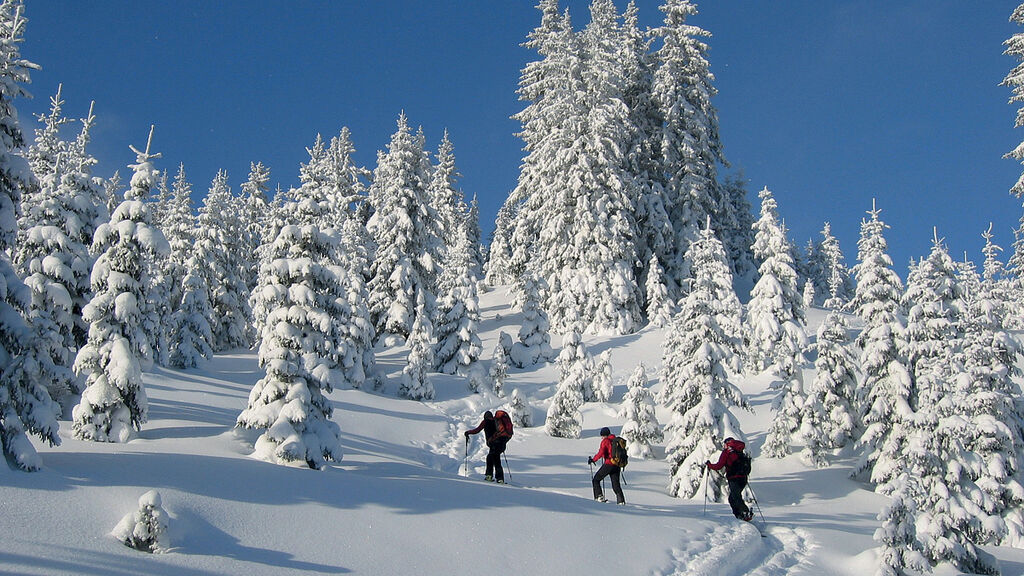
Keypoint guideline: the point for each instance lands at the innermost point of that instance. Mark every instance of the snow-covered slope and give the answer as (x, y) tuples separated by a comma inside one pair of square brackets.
[(400, 501)]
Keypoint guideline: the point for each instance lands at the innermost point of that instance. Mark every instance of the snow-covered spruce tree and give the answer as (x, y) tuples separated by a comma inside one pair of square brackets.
[(641, 427), (498, 371), (112, 191), (994, 285), (644, 185), (548, 85), (698, 355), (416, 384), (897, 535), (192, 337), (179, 227), (717, 279), (534, 343), (884, 395), (519, 410), (25, 406), (774, 332), (575, 227), (933, 335), (683, 88), (448, 201), (575, 223), (497, 270), (298, 351), (46, 147), (146, 528), (738, 231), (475, 236), (660, 306), (58, 221), (404, 228), (948, 521), (830, 419), (458, 345), (114, 404), (775, 335), (602, 382), (217, 238), (254, 203), (808, 296), (575, 370), (1015, 80), (85, 213), (987, 388)]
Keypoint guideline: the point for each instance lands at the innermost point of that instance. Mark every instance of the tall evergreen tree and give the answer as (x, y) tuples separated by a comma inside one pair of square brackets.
[(114, 403), (775, 337), (404, 228), (830, 419), (884, 395), (659, 305), (691, 150), (255, 210), (1015, 80), (458, 344), (549, 86), (217, 237), (298, 351), (192, 338), (416, 384), (698, 355), (25, 405)]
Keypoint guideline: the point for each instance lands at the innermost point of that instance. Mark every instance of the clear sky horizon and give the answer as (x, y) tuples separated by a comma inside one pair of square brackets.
[(828, 104)]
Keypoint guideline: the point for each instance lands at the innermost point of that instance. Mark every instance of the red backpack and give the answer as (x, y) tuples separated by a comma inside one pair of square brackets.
[(504, 424)]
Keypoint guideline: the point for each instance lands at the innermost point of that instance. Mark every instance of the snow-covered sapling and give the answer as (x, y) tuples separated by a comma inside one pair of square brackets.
[(146, 528)]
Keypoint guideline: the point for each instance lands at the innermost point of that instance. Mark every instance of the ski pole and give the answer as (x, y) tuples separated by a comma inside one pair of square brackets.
[(467, 457), (508, 471), (757, 504), (705, 490)]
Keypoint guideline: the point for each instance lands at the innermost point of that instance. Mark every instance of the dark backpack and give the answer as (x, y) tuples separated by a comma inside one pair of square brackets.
[(620, 457), (504, 425), (741, 466)]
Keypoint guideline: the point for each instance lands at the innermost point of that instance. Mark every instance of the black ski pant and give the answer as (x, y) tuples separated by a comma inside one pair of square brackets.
[(739, 507), (612, 470), (494, 469)]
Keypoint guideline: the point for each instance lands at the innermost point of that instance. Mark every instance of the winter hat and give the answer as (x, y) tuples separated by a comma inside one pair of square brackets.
[(488, 415), (605, 431)]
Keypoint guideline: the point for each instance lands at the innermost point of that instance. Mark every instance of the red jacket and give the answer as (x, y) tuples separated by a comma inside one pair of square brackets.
[(605, 451), (733, 449)]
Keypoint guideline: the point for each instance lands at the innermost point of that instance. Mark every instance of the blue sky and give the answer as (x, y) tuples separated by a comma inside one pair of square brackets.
[(829, 104)]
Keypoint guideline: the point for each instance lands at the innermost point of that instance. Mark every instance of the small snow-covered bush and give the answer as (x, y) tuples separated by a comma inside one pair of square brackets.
[(146, 528)]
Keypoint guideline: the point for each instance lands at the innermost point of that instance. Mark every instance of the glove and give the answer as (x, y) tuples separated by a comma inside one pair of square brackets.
[(707, 463), (590, 460), (466, 433)]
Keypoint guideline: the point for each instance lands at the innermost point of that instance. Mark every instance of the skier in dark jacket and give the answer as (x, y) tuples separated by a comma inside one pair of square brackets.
[(608, 468), (737, 482), (496, 444)]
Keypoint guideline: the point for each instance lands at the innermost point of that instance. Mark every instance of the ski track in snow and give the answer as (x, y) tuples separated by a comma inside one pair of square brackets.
[(734, 549), (738, 549)]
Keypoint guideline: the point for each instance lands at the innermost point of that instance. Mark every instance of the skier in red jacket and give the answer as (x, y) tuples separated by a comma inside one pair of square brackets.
[(737, 481), (608, 468)]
